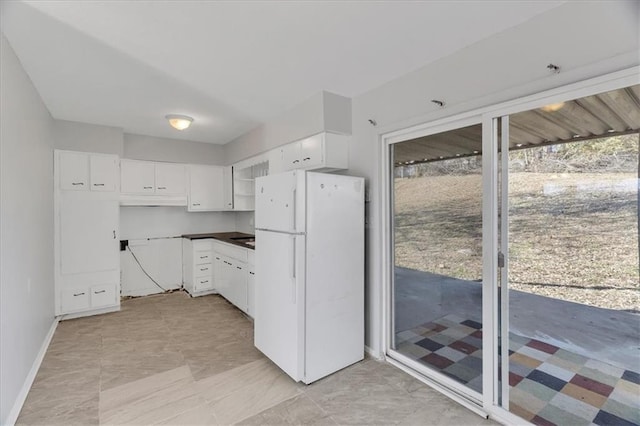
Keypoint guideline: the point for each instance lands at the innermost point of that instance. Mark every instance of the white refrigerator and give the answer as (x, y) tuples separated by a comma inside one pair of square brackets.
[(309, 282)]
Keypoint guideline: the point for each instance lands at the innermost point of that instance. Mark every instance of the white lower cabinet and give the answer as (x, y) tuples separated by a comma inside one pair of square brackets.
[(75, 299), (198, 268), (212, 266), (103, 295)]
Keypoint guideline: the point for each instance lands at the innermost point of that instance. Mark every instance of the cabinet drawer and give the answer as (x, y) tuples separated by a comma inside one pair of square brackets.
[(203, 283), (202, 245), (203, 270), (103, 295), (202, 257), (75, 299)]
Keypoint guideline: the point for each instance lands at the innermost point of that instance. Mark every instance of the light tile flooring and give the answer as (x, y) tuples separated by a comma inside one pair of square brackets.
[(170, 359)]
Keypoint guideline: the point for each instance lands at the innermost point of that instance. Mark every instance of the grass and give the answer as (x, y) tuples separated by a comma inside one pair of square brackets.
[(572, 236)]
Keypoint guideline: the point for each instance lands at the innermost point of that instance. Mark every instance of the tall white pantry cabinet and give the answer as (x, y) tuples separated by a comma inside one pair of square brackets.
[(86, 211)]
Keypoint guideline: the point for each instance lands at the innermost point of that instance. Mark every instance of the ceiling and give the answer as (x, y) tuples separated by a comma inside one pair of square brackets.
[(231, 65), (606, 114)]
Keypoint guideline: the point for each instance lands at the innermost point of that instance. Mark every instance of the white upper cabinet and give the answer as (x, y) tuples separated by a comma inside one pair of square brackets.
[(170, 179), (137, 177), (149, 183), (312, 152), (291, 156), (103, 172), (74, 171), (206, 188), (324, 151), (81, 171)]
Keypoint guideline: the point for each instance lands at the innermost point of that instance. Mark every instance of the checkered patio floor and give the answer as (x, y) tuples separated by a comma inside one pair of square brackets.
[(548, 385)]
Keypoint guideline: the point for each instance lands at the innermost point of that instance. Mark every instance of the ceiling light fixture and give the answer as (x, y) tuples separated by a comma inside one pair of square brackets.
[(552, 107), (179, 122)]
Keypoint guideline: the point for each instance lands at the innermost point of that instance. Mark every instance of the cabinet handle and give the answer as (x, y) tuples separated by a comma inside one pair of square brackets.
[(238, 267), (98, 184), (203, 257), (147, 187), (251, 273), (217, 258), (204, 269), (78, 294), (77, 183), (296, 161), (101, 291), (195, 204), (114, 234), (162, 187), (205, 281), (307, 158)]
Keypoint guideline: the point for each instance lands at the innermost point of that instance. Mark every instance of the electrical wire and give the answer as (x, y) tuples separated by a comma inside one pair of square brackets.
[(143, 270)]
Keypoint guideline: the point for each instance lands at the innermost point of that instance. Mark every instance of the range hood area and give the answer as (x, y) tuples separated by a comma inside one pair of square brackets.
[(152, 200)]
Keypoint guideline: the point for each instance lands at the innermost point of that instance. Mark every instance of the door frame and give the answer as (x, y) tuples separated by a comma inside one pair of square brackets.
[(488, 404)]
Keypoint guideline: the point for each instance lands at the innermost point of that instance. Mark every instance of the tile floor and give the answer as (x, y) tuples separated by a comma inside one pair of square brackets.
[(548, 385), (173, 360)]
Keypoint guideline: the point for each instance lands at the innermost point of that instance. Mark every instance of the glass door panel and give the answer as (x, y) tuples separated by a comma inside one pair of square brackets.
[(437, 231), (571, 281)]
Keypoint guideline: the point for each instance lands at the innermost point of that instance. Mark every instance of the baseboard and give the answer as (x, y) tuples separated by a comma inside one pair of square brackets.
[(22, 395), (372, 353), (64, 317)]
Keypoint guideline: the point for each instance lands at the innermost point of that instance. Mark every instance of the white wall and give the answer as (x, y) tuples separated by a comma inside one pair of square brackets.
[(26, 226), (585, 38), (74, 136), (141, 147), (323, 112)]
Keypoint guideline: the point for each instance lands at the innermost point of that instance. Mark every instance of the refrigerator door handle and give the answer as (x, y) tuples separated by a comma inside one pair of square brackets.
[(293, 268), (294, 211)]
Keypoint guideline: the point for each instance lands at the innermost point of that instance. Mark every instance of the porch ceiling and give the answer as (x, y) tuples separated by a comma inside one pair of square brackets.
[(607, 114)]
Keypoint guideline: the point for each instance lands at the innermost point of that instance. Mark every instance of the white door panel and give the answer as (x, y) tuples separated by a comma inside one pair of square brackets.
[(74, 171), (104, 172), (311, 151), (277, 319), (275, 202), (88, 235), (170, 179), (137, 177)]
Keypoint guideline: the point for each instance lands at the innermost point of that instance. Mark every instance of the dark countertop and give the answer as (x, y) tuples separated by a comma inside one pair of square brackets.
[(236, 238)]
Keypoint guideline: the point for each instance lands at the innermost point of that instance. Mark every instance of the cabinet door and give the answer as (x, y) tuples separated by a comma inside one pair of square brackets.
[(251, 297), (291, 156), (137, 177), (227, 188), (74, 171), (224, 277), (88, 235), (206, 188), (311, 150), (170, 179), (238, 284), (104, 172)]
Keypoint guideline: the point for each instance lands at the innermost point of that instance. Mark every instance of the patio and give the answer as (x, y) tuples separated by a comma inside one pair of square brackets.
[(569, 363)]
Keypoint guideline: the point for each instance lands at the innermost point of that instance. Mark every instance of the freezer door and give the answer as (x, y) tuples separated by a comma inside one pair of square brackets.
[(276, 202), (278, 301)]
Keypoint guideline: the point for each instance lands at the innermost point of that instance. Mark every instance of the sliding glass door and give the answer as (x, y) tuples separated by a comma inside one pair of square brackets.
[(514, 245), (437, 217), (569, 284)]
